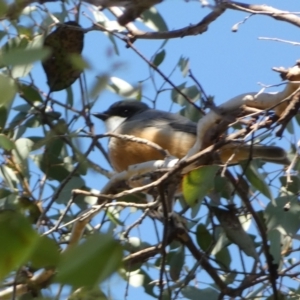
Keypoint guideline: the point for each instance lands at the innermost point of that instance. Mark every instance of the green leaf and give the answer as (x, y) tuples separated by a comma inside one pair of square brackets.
[(78, 62), (6, 143), (198, 183), (74, 183), (19, 71), (23, 147), (191, 292), (223, 258), (204, 238), (292, 185), (184, 65), (3, 8), (93, 293), (2, 33), (15, 43), (274, 237), (284, 213), (192, 92), (23, 56), (153, 20), (30, 93), (21, 153), (221, 240), (90, 262), (149, 288), (4, 193), (257, 181), (176, 263), (235, 232), (22, 107), (9, 176), (190, 112), (45, 254), (3, 116), (33, 122), (54, 168), (17, 240), (70, 97), (8, 90), (159, 57), (224, 187)]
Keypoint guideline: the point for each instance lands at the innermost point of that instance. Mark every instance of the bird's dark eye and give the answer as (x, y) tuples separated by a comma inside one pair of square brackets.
[(125, 113)]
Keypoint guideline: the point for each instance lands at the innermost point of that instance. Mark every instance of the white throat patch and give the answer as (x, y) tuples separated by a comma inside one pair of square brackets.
[(112, 123)]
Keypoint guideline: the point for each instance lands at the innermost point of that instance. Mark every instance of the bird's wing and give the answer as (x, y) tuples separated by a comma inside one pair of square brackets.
[(163, 120)]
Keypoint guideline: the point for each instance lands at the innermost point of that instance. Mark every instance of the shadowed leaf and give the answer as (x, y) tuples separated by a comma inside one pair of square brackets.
[(102, 256)]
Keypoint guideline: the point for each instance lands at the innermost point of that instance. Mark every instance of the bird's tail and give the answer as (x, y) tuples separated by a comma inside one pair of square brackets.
[(235, 153)]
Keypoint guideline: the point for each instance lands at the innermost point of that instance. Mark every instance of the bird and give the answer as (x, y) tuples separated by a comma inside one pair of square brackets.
[(172, 132)]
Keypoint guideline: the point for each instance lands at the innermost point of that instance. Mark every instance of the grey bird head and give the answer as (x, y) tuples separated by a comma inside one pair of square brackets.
[(120, 111)]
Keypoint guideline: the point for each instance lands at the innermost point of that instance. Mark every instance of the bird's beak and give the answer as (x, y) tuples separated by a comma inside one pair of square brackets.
[(102, 116)]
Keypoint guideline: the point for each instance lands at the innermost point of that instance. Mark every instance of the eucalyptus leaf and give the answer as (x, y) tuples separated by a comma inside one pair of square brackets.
[(153, 20), (17, 240), (198, 183), (6, 143), (193, 293), (8, 90), (102, 257)]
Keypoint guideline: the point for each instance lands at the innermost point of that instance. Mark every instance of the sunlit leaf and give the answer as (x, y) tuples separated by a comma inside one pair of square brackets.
[(221, 240), (135, 279), (153, 20), (198, 183), (123, 88), (9, 176), (78, 62), (93, 293)]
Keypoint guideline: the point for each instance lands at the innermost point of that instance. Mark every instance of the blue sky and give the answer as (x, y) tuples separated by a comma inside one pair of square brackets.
[(225, 63)]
